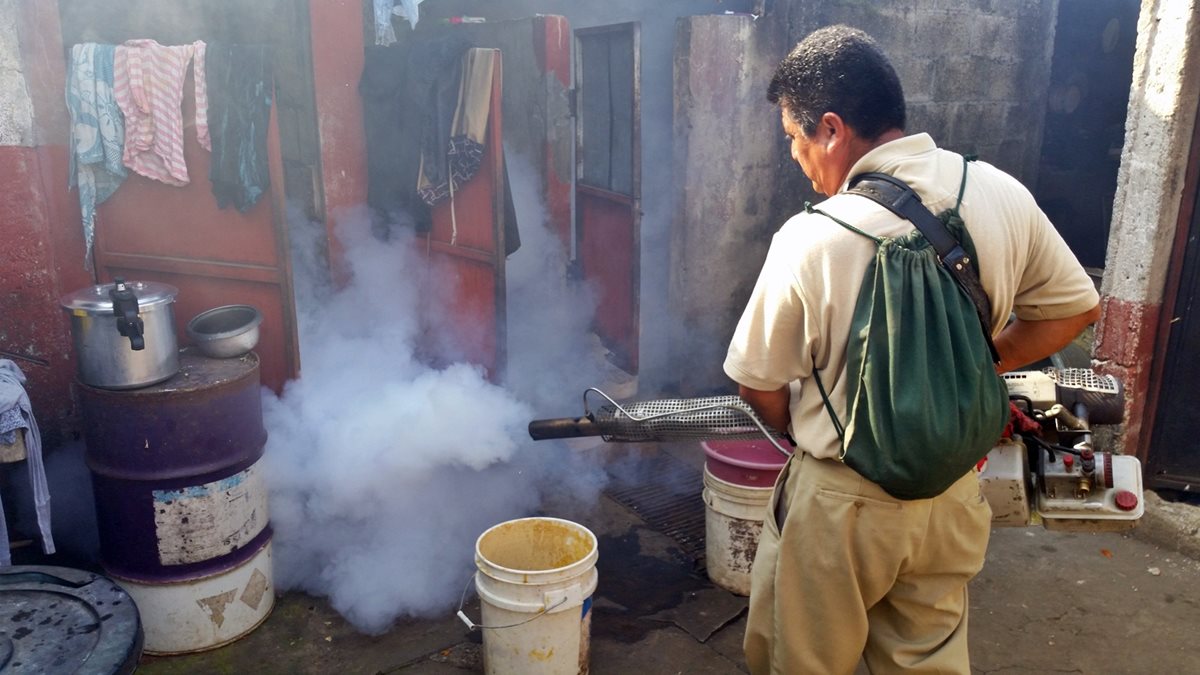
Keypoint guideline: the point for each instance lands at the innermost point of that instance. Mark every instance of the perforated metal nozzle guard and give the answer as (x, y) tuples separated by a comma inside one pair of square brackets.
[(662, 420)]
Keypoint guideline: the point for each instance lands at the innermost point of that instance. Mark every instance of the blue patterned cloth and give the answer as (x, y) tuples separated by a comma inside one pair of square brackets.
[(12, 395), (10, 421), (97, 132), (384, 33)]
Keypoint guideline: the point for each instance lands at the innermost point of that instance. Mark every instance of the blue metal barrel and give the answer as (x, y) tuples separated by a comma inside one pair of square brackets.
[(175, 469)]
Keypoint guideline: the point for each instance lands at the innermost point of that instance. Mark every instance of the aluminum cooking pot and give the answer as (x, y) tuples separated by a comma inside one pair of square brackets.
[(124, 333)]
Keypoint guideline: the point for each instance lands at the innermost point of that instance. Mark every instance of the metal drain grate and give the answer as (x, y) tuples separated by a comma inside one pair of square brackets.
[(667, 495)]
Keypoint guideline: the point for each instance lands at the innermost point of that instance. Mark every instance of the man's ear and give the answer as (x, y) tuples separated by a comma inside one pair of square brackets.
[(835, 129)]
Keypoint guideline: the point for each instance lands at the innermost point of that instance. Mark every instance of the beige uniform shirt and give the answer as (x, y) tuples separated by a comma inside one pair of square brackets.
[(799, 314)]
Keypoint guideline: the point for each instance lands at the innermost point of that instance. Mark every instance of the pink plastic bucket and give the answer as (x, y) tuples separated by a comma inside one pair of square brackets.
[(747, 463)]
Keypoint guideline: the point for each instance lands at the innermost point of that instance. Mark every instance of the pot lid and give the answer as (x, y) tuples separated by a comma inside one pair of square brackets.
[(62, 620), (96, 300)]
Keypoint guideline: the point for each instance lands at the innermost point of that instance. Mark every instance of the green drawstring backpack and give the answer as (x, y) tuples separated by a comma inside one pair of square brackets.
[(924, 401)]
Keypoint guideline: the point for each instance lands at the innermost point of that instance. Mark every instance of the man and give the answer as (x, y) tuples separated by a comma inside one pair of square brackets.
[(844, 571)]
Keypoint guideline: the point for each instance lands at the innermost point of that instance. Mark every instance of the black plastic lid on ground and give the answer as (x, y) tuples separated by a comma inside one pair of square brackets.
[(62, 620)]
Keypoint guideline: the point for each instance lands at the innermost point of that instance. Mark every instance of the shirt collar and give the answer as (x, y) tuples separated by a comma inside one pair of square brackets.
[(887, 155)]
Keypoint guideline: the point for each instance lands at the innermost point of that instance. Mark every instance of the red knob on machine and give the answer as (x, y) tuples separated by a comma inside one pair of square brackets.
[(1126, 500), (1068, 461)]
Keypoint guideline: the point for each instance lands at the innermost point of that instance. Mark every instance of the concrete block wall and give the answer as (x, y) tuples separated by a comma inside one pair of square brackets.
[(975, 72), (1146, 210), (726, 159)]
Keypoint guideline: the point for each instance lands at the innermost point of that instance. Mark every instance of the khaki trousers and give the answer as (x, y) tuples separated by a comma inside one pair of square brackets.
[(856, 573)]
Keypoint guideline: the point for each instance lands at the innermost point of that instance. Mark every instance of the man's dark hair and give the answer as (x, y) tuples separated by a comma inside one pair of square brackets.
[(841, 70)]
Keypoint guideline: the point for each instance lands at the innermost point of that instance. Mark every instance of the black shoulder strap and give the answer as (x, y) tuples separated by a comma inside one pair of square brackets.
[(896, 196)]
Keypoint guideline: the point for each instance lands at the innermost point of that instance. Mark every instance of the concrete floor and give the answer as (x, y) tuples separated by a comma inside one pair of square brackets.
[(1045, 602)]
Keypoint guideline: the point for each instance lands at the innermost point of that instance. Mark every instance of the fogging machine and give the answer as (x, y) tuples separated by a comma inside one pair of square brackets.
[(1048, 473)]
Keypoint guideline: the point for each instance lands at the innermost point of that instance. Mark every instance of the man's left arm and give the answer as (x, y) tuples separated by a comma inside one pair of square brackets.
[(1026, 341), (771, 406)]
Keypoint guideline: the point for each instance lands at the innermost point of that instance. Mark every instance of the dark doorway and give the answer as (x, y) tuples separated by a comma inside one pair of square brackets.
[(1173, 459), (1085, 121)]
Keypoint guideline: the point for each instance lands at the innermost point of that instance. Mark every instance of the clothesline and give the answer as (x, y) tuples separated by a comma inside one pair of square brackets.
[(125, 103)]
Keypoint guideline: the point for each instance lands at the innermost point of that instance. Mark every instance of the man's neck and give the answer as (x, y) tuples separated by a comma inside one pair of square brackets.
[(863, 146), (860, 146)]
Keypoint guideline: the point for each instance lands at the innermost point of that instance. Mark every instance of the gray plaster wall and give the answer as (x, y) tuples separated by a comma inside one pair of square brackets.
[(1159, 133), (975, 74), (1158, 130), (16, 106), (729, 158)]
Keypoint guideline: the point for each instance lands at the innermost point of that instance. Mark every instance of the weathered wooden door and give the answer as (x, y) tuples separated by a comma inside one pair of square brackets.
[(151, 231), (608, 180), (466, 247)]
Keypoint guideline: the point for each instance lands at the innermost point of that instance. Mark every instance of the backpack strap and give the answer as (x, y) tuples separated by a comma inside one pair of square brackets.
[(896, 196), (837, 423)]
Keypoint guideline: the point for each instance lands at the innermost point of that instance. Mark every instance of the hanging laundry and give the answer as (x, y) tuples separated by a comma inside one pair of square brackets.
[(240, 89), (458, 154), (148, 85), (410, 10), (97, 133), (385, 33), (409, 93), (200, 82), (391, 129), (13, 397)]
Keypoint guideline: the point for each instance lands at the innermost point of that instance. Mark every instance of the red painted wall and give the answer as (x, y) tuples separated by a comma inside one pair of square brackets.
[(1125, 337), (552, 42), (34, 331), (337, 57), (42, 254)]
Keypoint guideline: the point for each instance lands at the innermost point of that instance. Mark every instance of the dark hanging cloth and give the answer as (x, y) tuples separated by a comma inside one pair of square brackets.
[(393, 135), (512, 233), (451, 161), (239, 110), (409, 92)]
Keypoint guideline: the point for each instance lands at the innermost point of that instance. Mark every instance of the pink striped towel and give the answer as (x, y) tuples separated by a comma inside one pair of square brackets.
[(148, 87)]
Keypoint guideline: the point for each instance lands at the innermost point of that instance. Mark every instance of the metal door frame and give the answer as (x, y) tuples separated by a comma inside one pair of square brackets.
[(1187, 225), (635, 198)]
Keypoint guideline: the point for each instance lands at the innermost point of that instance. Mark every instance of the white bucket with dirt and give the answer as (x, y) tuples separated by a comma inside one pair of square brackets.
[(535, 583), (733, 521)]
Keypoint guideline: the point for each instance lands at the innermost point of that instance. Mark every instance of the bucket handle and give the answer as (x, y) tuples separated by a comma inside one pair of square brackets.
[(471, 625)]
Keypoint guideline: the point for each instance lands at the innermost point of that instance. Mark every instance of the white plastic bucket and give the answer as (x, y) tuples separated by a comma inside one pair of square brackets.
[(535, 583), (733, 521)]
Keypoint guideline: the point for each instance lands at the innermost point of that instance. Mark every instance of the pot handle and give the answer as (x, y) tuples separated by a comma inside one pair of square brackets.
[(125, 307)]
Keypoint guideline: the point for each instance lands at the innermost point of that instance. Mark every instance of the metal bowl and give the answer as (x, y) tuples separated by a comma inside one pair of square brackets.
[(225, 332)]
